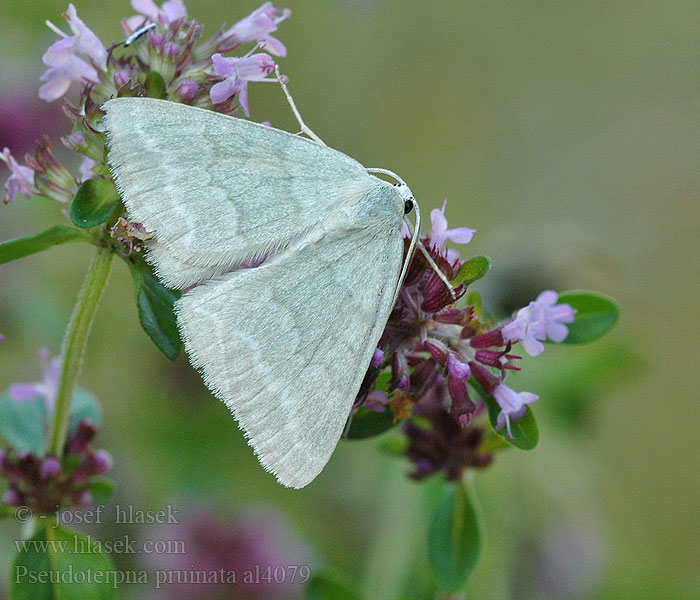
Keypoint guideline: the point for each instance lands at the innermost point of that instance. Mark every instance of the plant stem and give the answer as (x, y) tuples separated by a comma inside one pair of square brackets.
[(73, 347)]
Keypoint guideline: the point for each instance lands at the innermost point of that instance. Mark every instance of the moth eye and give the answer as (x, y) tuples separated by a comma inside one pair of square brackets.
[(408, 206)]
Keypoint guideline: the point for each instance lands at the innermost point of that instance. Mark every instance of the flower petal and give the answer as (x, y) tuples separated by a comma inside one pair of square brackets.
[(557, 332), (59, 52), (223, 66), (274, 46), (439, 227), (547, 298), (532, 346), (25, 391), (222, 91), (460, 235)]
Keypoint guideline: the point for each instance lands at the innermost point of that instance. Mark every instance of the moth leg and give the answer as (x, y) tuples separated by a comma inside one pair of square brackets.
[(304, 128)]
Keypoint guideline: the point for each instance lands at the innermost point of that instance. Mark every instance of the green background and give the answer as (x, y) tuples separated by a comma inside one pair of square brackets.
[(567, 134)]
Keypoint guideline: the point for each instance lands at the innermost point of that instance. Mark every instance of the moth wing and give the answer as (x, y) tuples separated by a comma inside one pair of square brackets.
[(286, 345), (217, 190)]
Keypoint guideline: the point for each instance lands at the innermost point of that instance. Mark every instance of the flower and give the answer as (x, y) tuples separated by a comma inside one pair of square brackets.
[(21, 180), (44, 483), (440, 234), (51, 178), (257, 27), (85, 168), (377, 357), (513, 405), (541, 319), (64, 66), (46, 388), (169, 12), (237, 72), (437, 442), (456, 367)]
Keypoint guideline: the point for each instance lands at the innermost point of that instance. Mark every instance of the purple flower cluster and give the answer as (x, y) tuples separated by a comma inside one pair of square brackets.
[(170, 50), (45, 483), (436, 350)]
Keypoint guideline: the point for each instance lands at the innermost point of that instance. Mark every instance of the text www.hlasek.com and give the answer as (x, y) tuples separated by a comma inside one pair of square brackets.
[(89, 545)]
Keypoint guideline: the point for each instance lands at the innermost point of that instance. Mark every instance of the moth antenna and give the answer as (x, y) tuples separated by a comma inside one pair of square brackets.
[(138, 33), (304, 128), (409, 254)]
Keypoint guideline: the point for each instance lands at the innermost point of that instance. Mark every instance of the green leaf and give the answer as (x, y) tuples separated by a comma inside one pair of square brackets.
[(155, 85), (84, 406), (22, 423), (24, 246), (454, 539), (367, 423), (526, 435), (28, 561), (102, 489), (475, 268), (93, 203), (595, 317), (155, 307), (60, 564), (329, 584)]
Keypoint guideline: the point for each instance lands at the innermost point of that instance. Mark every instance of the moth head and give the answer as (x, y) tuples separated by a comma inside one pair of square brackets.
[(406, 195), (404, 191)]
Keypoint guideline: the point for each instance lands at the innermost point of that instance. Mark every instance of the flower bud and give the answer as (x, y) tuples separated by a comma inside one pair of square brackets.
[(121, 78), (377, 357), (103, 462), (487, 379), (187, 90), (50, 468), (84, 498), (83, 436), (488, 339), (438, 350), (456, 368)]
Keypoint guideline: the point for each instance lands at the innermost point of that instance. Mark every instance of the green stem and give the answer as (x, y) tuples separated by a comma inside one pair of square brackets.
[(73, 347)]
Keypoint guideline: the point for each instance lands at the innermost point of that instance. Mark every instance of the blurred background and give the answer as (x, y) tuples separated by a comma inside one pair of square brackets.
[(568, 135)]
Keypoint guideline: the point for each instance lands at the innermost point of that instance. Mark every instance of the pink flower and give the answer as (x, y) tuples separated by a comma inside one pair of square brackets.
[(540, 320), (169, 12), (45, 389), (440, 234), (258, 26), (377, 357), (513, 405), (237, 72), (85, 168), (64, 66), (456, 367), (21, 180)]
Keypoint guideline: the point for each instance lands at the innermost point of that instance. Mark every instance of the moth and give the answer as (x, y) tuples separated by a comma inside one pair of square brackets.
[(289, 254)]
